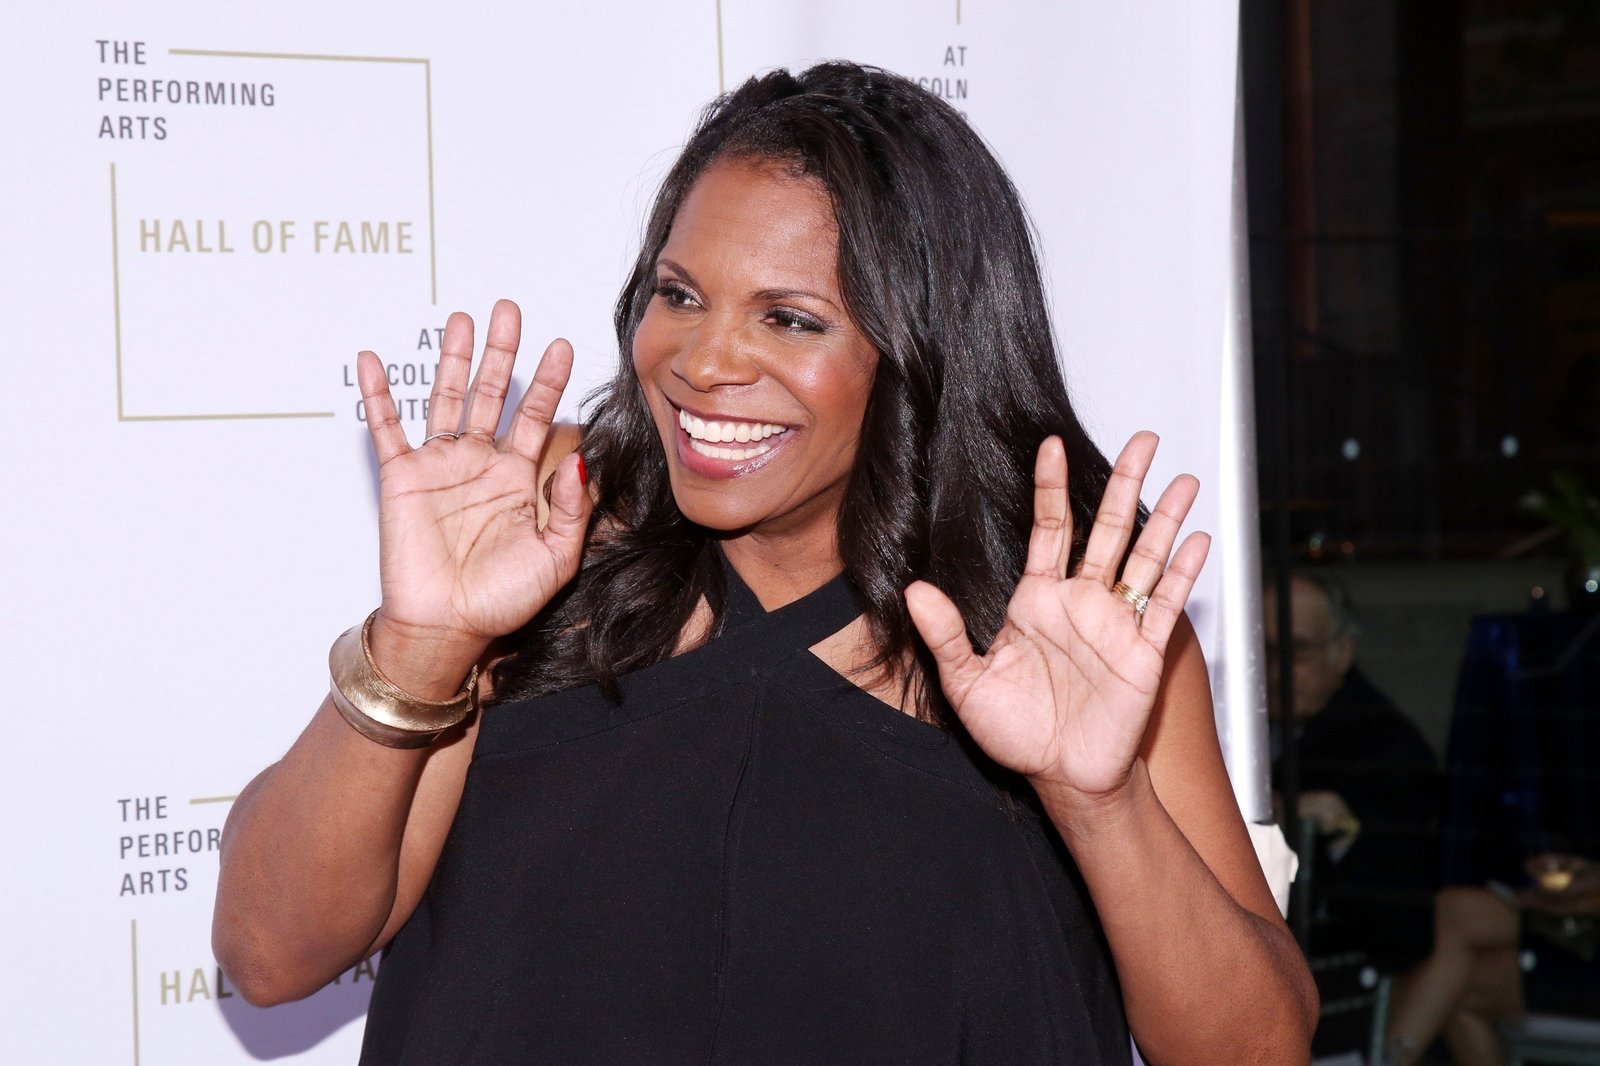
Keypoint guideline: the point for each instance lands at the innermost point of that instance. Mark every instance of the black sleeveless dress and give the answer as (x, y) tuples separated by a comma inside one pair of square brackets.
[(749, 860)]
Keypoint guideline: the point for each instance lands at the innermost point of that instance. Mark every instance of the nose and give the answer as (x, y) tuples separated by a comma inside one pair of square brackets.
[(716, 353)]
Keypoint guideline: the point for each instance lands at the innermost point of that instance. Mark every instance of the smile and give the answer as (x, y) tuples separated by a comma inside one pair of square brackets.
[(709, 438)]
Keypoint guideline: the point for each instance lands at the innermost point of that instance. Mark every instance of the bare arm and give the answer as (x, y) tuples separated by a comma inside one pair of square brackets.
[(1097, 694), (1201, 951), (327, 852)]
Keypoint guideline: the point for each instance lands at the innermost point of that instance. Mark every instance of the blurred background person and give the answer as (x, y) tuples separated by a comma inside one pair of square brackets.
[(1369, 784), (1473, 978)]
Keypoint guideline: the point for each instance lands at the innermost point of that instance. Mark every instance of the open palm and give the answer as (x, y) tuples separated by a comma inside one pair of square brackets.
[(1065, 690), (460, 546)]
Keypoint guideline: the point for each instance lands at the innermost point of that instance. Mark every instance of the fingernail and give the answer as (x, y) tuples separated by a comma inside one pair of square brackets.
[(583, 472)]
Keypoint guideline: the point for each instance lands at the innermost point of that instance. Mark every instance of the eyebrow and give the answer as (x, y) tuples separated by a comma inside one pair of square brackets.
[(760, 294)]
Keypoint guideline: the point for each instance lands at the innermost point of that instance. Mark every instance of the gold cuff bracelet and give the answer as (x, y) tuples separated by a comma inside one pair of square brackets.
[(379, 710)]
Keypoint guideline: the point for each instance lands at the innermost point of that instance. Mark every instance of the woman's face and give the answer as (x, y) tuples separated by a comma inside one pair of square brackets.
[(755, 375)]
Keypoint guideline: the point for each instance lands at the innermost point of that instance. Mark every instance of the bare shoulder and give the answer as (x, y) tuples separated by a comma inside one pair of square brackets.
[(562, 441), (1186, 768)]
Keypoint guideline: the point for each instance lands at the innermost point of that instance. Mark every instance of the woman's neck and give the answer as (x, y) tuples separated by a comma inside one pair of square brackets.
[(780, 570)]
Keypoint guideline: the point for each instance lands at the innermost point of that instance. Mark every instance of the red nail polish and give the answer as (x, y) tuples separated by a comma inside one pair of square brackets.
[(583, 473)]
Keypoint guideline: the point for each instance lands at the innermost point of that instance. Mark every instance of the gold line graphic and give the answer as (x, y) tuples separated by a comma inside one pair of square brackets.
[(214, 799), (433, 262), (116, 307), (134, 922), (427, 81), (116, 287), (230, 417), (720, 89), (291, 55)]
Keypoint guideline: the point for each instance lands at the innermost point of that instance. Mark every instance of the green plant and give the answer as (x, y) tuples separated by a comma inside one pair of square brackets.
[(1570, 507)]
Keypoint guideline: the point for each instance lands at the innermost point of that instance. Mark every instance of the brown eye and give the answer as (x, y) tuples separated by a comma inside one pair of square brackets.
[(675, 294), (793, 321)]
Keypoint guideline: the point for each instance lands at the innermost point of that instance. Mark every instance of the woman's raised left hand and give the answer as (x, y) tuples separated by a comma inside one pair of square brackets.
[(1066, 689)]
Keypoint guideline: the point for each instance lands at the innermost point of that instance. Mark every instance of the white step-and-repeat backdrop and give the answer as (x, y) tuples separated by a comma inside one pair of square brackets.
[(210, 208)]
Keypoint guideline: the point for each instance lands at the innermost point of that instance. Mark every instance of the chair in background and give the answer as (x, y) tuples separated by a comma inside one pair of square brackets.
[(1549, 1040), (1355, 995)]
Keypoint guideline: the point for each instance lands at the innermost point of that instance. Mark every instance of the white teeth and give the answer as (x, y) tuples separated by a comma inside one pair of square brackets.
[(702, 432), (731, 454)]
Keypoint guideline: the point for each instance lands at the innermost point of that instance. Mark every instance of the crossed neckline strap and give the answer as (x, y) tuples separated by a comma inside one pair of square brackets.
[(753, 640), (796, 625), (804, 622)]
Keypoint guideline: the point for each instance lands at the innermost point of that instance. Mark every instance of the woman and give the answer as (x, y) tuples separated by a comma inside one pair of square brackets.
[(1473, 978), (804, 746)]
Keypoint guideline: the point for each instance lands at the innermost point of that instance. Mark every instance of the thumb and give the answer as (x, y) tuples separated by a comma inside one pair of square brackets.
[(570, 508), (939, 622)]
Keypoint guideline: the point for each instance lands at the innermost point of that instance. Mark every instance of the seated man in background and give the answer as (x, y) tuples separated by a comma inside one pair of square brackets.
[(1369, 782)]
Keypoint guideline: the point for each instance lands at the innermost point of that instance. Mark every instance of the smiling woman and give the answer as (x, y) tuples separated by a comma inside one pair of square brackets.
[(848, 713), (748, 331)]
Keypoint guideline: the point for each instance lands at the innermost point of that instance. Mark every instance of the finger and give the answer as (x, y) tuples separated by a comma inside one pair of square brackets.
[(939, 621), (1148, 560), (1172, 591), (570, 508), (1113, 521), (449, 396), (383, 423), (1050, 543), (494, 370), (538, 407)]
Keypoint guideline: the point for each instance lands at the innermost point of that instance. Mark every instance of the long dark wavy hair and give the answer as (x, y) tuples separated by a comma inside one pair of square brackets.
[(938, 269)]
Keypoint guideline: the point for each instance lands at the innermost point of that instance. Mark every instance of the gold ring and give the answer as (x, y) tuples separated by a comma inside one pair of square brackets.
[(447, 434), (470, 432), (1138, 599)]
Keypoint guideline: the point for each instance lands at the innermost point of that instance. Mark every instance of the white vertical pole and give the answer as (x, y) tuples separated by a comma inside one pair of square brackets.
[(1239, 677)]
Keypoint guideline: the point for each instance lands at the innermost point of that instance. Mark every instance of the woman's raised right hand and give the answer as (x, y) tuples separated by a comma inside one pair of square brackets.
[(461, 554)]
